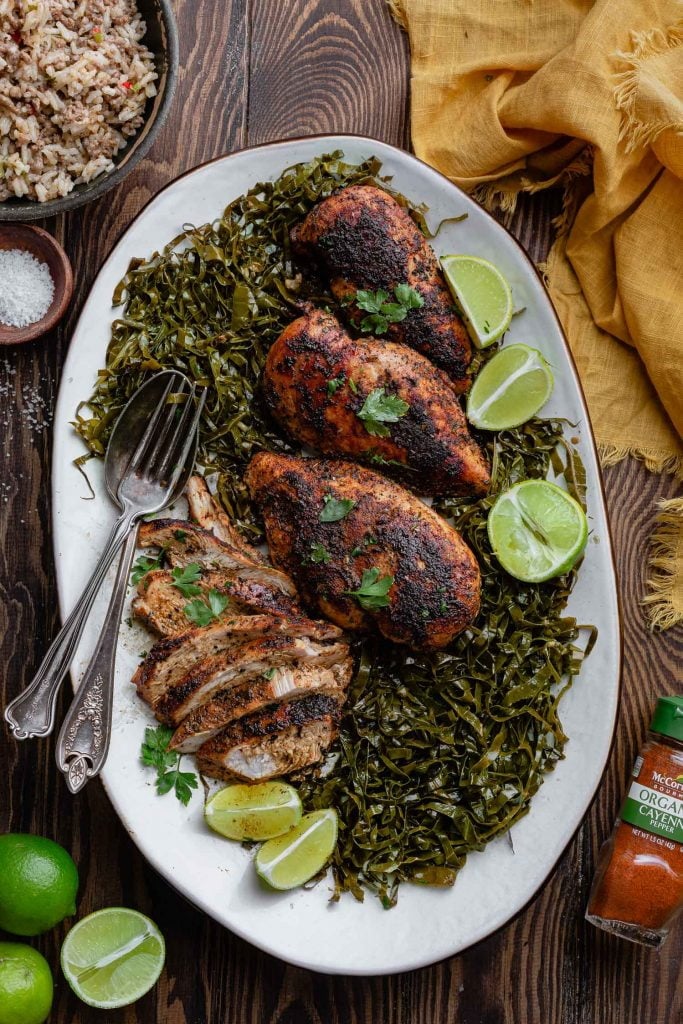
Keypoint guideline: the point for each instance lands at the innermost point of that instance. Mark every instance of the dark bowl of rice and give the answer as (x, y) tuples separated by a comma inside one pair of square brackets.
[(82, 98)]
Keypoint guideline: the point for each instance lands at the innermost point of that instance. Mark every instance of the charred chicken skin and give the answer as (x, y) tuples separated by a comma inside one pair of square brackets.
[(319, 383), (374, 534), (365, 240)]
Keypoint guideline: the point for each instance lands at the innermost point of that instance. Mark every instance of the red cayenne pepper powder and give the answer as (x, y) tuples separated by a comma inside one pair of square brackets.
[(638, 886)]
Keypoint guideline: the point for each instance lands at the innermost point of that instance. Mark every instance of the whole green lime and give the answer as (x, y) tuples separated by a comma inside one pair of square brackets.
[(39, 883), (25, 985)]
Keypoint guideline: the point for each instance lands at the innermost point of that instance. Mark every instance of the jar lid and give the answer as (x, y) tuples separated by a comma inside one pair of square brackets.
[(668, 717)]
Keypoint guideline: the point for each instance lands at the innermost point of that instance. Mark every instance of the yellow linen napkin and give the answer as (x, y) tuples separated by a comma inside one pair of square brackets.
[(520, 95)]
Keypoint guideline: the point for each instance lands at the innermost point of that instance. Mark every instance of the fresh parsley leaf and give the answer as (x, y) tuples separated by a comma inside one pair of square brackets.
[(155, 753), (394, 312), (203, 611), (334, 385), (376, 324), (185, 579), (154, 750), (218, 602), (380, 408), (143, 566), (371, 302), (373, 590), (319, 553), (382, 313), (335, 509), (408, 297)]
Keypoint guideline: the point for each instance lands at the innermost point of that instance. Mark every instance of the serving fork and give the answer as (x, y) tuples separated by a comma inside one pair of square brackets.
[(148, 484)]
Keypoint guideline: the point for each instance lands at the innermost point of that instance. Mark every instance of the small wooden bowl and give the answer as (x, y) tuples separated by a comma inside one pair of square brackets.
[(48, 250)]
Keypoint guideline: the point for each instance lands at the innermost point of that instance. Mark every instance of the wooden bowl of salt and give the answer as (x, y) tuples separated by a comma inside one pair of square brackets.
[(36, 283)]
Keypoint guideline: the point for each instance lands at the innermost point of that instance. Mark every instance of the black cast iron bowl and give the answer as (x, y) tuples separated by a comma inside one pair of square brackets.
[(162, 39)]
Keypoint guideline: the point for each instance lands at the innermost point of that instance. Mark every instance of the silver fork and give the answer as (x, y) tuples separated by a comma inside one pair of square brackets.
[(146, 487)]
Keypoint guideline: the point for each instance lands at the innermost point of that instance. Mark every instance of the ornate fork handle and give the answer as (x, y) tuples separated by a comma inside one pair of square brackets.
[(83, 741), (32, 713)]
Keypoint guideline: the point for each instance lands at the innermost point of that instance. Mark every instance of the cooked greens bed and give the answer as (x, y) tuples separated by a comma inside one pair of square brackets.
[(437, 753)]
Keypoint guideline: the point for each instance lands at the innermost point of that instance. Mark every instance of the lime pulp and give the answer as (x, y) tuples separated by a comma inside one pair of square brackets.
[(113, 957), (510, 389), (483, 295), (294, 858), (254, 812), (537, 530)]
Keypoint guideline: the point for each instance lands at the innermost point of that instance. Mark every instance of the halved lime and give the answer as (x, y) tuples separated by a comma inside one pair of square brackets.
[(297, 856), (483, 295), (112, 957), (537, 530), (510, 389), (254, 812)]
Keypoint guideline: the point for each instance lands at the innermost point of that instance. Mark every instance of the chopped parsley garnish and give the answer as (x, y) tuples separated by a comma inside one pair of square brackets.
[(269, 673), (380, 408), (319, 553), (382, 311), (373, 590), (353, 385), (185, 579), (180, 534), (334, 385), (155, 753), (203, 611), (335, 509), (143, 566)]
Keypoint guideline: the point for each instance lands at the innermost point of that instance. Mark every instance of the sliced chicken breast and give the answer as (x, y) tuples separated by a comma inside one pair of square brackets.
[(161, 605), (185, 543), (243, 661), (277, 685), (206, 511), (171, 658), (272, 743)]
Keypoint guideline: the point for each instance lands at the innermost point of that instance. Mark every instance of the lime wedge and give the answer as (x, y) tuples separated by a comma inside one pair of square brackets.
[(254, 812), (510, 389), (537, 530), (297, 856), (483, 295), (112, 957)]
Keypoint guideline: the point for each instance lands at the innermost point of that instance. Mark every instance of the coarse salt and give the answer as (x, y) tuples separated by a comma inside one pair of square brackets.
[(26, 288)]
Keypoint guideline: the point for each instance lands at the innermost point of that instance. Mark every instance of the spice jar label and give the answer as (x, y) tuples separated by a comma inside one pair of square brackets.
[(656, 810)]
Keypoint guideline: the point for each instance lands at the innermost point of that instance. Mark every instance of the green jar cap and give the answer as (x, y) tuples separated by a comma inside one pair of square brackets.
[(668, 717)]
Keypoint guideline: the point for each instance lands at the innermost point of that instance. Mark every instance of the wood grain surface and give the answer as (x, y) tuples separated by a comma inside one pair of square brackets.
[(255, 70)]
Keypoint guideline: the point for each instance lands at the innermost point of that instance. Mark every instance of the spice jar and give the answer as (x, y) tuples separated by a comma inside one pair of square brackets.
[(638, 886)]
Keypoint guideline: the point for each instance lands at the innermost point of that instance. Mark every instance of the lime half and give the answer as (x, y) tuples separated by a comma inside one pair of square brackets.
[(537, 530), (254, 812), (297, 856), (112, 957), (483, 295), (510, 389)]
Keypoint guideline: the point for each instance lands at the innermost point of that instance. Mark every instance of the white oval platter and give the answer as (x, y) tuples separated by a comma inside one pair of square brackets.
[(302, 927)]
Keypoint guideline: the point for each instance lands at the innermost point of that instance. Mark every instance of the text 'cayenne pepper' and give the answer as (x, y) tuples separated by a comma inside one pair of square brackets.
[(638, 887)]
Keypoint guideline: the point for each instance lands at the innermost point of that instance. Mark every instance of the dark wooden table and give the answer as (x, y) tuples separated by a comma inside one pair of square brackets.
[(256, 70)]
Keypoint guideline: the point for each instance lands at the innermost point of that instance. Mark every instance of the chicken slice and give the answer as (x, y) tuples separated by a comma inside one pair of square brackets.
[(273, 742), (365, 240), (276, 685), (206, 511), (318, 382), (184, 543), (383, 535), (161, 605), (172, 657), (244, 661)]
